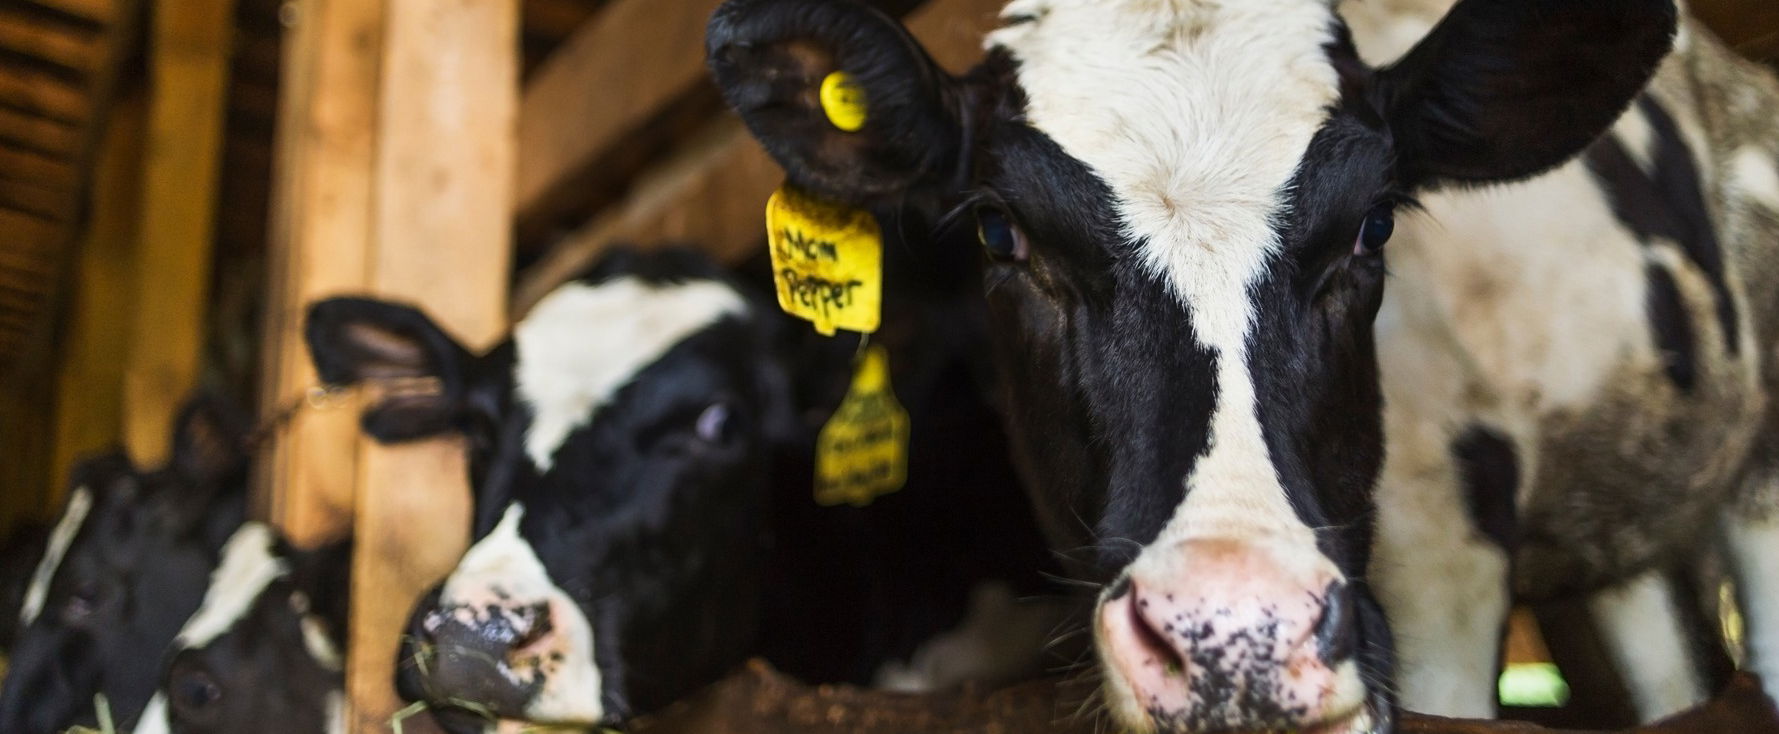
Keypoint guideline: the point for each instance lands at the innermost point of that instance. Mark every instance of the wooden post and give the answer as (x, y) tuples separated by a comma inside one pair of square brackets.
[(188, 73), (319, 245), (89, 394), (441, 234)]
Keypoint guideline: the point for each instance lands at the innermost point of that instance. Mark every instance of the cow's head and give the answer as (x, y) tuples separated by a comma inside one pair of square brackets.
[(263, 651), (125, 564), (619, 443), (1185, 205)]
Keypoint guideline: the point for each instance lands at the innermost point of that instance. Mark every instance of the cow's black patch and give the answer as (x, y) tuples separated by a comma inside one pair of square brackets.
[(1674, 339), (1667, 202), (1490, 470)]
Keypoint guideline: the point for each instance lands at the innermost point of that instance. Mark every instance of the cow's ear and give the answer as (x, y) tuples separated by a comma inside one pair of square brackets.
[(210, 440), (1506, 89), (771, 59), (358, 340)]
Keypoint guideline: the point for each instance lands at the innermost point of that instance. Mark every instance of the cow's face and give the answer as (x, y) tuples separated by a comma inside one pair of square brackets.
[(619, 443), (262, 653), (123, 567), (1185, 205)]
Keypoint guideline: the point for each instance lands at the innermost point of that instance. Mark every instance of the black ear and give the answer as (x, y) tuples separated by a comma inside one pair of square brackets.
[(209, 441), (1506, 89), (770, 58), (352, 340)]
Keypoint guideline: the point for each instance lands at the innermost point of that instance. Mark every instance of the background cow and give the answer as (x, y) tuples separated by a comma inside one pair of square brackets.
[(263, 651), (126, 563), (1185, 206), (635, 537)]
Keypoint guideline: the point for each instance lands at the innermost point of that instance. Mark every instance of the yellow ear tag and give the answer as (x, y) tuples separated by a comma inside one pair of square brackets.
[(844, 101), (827, 260), (862, 452)]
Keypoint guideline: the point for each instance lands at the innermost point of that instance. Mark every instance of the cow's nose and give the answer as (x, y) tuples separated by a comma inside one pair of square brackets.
[(1224, 637), (482, 656)]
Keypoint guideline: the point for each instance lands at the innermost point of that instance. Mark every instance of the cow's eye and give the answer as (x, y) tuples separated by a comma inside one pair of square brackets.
[(713, 424), (194, 690), (81, 604), (1379, 224), (1000, 236)]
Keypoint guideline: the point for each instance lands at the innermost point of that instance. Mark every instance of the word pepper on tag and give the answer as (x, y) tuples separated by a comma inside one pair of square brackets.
[(827, 261), (862, 452)]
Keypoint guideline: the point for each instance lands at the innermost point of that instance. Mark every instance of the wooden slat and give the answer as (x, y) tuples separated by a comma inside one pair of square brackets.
[(38, 170), (188, 70), (442, 222), (39, 134), (607, 80), (714, 191), (44, 94), (98, 11), (319, 244), (58, 44), (89, 384), (30, 238), (1750, 26)]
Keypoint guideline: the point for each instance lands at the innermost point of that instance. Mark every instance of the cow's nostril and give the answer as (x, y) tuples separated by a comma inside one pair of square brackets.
[(1154, 641), (1336, 633), (534, 625)]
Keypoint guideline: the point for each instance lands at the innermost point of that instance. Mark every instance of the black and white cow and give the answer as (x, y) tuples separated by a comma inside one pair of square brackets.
[(19, 556), (263, 651), (644, 518), (1185, 205), (124, 566)]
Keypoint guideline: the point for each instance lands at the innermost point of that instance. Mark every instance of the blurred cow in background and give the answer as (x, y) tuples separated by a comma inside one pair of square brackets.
[(126, 563), (263, 652)]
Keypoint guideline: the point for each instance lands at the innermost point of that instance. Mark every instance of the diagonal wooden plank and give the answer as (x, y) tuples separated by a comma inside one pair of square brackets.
[(34, 91), (57, 43), (38, 134), (97, 11)]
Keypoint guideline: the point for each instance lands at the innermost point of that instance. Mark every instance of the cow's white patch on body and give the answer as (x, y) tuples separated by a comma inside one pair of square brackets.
[(336, 712), (1000, 638), (80, 503), (583, 343), (248, 566), (502, 570), (154, 717), (1756, 175), (1640, 624)]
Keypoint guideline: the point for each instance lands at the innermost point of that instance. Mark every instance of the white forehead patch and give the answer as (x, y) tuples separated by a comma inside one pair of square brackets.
[(1196, 114), (583, 343), (502, 569), (248, 567), (80, 503)]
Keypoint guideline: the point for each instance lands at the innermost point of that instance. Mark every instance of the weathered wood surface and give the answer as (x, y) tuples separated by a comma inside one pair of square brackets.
[(757, 700), (442, 186)]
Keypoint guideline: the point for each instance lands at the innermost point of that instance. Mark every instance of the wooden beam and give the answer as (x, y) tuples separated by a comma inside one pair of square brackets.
[(89, 385), (713, 191), (442, 219), (39, 134), (319, 244), (44, 94), (38, 169), (188, 73), (609, 79), (61, 45), (97, 11)]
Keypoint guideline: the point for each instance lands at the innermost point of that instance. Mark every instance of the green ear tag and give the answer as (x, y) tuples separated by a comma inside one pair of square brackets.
[(844, 101), (862, 452)]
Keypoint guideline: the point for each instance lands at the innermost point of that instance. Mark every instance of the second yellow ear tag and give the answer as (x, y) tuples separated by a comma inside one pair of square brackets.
[(862, 452), (827, 260), (844, 102)]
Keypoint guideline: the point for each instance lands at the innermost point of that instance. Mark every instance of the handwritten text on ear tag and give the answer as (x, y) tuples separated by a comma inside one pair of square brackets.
[(827, 261), (843, 101), (862, 452)]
